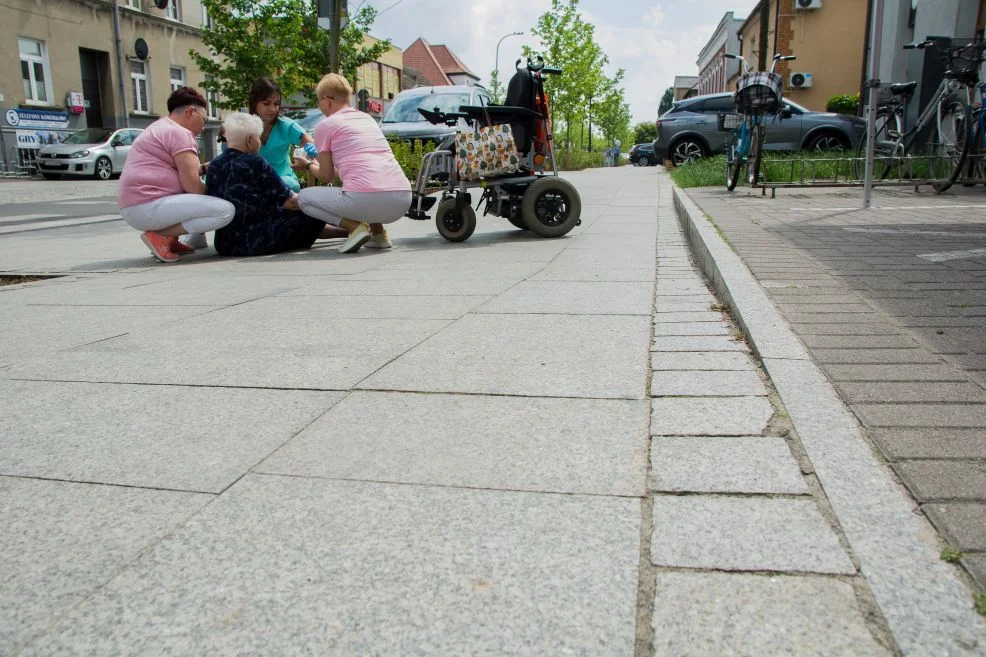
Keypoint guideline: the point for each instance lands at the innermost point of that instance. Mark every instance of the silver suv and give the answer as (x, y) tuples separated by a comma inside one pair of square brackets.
[(403, 121), (690, 129)]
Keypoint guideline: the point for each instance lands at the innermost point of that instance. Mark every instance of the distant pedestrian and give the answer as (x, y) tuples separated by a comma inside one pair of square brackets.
[(374, 189), (160, 191)]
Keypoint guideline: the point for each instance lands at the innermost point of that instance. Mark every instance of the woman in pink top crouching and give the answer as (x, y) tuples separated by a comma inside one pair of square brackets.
[(374, 189), (160, 192)]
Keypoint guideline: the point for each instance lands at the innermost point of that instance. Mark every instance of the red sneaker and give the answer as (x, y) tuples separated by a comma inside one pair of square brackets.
[(178, 247), (159, 246)]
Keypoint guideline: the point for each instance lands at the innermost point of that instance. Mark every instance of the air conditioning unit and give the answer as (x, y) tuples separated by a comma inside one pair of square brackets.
[(807, 4), (800, 80)]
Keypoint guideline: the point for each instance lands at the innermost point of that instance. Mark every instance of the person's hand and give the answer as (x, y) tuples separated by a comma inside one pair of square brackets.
[(292, 203), (203, 168), (300, 162)]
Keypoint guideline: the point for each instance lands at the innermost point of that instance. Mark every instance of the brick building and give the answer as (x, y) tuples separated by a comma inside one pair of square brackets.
[(437, 64), (716, 73)]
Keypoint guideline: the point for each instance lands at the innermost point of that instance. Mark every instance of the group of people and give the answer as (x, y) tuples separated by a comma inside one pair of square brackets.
[(251, 196)]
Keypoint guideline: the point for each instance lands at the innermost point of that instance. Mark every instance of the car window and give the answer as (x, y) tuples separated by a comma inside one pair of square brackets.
[(406, 108), (483, 99), (716, 105), (134, 134), (88, 136), (123, 138), (691, 107)]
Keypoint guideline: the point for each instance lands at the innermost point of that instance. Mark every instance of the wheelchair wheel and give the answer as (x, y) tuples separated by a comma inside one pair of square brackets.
[(455, 226), (518, 222), (551, 207)]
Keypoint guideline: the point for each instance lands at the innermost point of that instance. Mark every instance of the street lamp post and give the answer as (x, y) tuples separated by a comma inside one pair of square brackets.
[(498, 52)]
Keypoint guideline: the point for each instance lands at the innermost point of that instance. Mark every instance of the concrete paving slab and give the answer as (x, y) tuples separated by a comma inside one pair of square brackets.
[(275, 565), (702, 360), (679, 305), (586, 446), (661, 317), (901, 372), (702, 614), (62, 541), (962, 523), (588, 356), (724, 465), (941, 480), (704, 384), (362, 307), (313, 352), (555, 272), (904, 443), (709, 416), (877, 356), (574, 298), (692, 328), (926, 391), (196, 439), (744, 533), (697, 343), (923, 415)]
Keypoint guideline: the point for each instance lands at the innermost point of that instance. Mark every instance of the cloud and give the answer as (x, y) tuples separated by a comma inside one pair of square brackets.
[(654, 16)]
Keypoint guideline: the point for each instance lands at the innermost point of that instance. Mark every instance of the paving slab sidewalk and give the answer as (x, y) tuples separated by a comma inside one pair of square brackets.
[(511, 446)]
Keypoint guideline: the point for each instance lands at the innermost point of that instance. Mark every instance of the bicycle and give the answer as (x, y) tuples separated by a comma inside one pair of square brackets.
[(976, 169), (757, 94), (947, 114)]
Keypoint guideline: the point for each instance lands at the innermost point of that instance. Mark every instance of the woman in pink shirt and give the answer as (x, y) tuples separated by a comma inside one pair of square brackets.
[(160, 190), (374, 189)]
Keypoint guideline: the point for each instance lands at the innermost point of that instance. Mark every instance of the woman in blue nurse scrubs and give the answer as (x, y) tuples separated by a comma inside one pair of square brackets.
[(281, 134)]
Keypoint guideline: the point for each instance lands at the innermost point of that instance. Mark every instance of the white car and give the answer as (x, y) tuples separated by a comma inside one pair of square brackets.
[(98, 152)]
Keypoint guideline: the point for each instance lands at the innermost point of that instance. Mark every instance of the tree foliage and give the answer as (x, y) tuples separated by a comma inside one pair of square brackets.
[(612, 112), (496, 87), (276, 38), (644, 132), (667, 100)]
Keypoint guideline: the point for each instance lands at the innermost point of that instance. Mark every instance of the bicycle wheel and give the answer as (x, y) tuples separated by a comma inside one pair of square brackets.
[(949, 143), (975, 169), (753, 159), (734, 161), (885, 146)]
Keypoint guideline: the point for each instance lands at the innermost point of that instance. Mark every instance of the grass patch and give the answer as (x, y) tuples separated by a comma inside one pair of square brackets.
[(980, 600), (951, 555), (8, 279), (786, 167)]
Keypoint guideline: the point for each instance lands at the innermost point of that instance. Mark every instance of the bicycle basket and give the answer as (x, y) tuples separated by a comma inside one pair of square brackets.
[(729, 121), (964, 64), (759, 92)]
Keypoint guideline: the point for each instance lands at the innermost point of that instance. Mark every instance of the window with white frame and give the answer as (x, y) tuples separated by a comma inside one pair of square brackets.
[(133, 4), (173, 10), (177, 77), (35, 70), (206, 19), (212, 102), (138, 86)]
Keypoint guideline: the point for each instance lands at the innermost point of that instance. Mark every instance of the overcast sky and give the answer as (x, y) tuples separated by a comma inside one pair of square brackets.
[(653, 40)]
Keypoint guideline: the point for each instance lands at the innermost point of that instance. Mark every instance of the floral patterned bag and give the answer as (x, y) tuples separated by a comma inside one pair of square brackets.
[(485, 152)]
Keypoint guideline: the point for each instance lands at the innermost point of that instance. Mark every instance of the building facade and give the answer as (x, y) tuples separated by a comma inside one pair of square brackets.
[(828, 37), (382, 79), (61, 65), (716, 73), (685, 86), (438, 65)]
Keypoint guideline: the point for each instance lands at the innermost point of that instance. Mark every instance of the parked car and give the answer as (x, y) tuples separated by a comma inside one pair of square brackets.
[(402, 120), (306, 118), (98, 152), (642, 155), (690, 129)]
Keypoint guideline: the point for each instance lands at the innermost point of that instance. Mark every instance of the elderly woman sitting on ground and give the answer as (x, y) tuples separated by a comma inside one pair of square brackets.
[(267, 219), (160, 192)]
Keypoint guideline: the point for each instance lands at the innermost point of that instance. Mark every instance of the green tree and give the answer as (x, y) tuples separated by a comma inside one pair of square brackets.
[(568, 42), (496, 87), (277, 38), (667, 100), (612, 113), (644, 132)]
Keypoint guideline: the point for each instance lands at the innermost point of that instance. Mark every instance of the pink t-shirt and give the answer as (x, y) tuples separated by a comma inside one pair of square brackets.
[(361, 155), (150, 172)]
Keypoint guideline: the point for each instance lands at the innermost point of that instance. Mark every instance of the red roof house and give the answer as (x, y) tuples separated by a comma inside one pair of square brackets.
[(437, 64)]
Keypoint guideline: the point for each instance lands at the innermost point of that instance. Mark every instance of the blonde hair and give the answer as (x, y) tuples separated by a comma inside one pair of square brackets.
[(335, 86), (239, 125)]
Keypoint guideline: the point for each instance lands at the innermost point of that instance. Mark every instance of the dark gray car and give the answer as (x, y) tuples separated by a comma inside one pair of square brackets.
[(690, 129)]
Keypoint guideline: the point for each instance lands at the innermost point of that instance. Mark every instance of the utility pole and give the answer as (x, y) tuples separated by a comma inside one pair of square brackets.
[(330, 14), (590, 123), (764, 32), (119, 64)]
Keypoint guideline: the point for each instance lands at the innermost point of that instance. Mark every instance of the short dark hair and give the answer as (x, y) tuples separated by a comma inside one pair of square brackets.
[(262, 88), (183, 96)]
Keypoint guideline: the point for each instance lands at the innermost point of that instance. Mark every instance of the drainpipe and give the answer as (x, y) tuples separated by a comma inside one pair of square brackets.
[(119, 63)]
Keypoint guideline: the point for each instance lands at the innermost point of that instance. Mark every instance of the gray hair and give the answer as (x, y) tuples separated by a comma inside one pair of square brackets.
[(240, 125)]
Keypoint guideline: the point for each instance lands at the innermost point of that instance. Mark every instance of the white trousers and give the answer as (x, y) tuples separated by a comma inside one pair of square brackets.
[(197, 213), (332, 205)]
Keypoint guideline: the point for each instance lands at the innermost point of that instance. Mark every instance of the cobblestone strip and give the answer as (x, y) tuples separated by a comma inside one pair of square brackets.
[(913, 603), (745, 553)]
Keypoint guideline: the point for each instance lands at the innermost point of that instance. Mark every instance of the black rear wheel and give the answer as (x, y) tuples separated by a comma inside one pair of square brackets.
[(551, 207), (949, 143), (753, 159), (886, 147), (734, 163)]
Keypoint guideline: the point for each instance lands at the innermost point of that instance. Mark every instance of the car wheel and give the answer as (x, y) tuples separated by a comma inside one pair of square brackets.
[(827, 141), (103, 169), (686, 151)]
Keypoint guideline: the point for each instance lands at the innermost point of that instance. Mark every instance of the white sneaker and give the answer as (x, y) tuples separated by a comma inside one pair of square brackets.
[(194, 240), (381, 241), (360, 236)]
